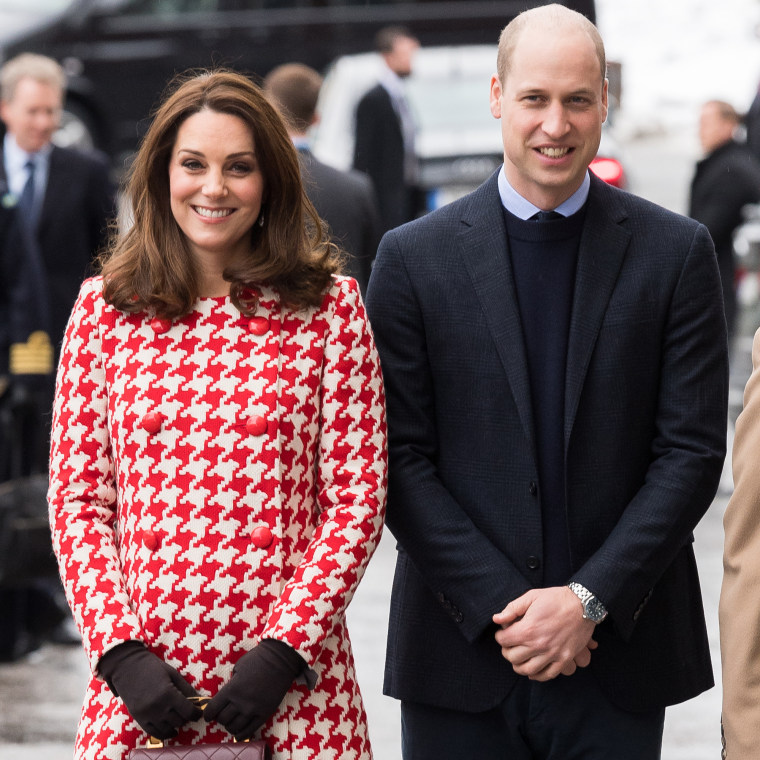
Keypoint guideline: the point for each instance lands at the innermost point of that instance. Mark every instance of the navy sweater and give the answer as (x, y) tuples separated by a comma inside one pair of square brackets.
[(543, 256)]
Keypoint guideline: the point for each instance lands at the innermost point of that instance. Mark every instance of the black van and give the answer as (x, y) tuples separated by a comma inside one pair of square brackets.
[(120, 54)]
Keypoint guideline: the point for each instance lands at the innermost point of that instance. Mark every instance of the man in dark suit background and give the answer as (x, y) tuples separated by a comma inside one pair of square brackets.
[(345, 200), (57, 204), (385, 130), (726, 179), (556, 394), (73, 198)]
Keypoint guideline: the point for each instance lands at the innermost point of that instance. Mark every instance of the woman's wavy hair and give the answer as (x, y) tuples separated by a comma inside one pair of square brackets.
[(150, 268)]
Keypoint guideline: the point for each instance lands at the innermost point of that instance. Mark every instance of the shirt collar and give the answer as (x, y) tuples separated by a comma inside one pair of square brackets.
[(16, 158), (391, 80), (301, 142), (524, 209)]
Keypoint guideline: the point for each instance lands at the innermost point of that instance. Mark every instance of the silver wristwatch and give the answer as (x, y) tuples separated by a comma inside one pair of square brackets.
[(593, 609)]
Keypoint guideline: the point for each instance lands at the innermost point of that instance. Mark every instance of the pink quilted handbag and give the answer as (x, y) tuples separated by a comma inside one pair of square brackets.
[(248, 750)]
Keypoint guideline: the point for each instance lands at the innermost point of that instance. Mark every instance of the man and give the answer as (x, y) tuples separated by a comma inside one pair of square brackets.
[(345, 200), (72, 198), (725, 180), (556, 394), (56, 207), (752, 124), (63, 201), (384, 139)]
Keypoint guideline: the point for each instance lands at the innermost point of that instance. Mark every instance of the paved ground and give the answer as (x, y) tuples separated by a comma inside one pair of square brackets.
[(40, 696)]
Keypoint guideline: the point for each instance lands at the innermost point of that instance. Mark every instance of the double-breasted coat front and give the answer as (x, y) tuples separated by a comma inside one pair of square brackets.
[(217, 480)]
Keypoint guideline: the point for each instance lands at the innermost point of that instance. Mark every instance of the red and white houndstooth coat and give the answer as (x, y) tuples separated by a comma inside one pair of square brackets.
[(217, 480)]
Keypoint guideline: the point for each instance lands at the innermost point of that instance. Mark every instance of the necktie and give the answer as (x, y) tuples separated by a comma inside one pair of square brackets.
[(26, 202), (545, 216)]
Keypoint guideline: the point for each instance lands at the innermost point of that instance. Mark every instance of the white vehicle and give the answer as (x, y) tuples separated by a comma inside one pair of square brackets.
[(458, 142)]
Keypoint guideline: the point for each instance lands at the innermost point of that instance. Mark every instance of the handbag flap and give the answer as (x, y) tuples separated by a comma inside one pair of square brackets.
[(257, 750)]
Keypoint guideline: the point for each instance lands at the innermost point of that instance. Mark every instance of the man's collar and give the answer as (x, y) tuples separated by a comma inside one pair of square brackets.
[(390, 79), (524, 209), (16, 156), (301, 142)]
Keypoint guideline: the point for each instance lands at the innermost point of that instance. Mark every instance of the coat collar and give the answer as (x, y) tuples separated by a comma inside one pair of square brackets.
[(483, 246)]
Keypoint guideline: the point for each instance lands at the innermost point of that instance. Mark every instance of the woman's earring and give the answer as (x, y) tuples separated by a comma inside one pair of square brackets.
[(261, 219)]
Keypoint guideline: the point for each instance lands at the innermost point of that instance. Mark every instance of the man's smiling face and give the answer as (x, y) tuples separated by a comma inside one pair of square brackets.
[(552, 107)]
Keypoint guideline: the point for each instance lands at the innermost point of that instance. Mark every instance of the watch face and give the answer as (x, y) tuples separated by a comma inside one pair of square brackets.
[(595, 610)]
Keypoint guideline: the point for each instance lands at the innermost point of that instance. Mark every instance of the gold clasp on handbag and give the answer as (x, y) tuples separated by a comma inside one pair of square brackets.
[(154, 743)]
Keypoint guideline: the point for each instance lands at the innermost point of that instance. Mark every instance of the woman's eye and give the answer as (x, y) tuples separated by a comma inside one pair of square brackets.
[(191, 164)]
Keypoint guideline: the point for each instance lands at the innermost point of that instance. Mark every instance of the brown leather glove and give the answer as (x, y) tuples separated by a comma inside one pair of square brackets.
[(260, 680), (154, 693)]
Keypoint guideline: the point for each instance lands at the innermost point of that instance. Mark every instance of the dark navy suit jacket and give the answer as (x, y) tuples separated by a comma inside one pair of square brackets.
[(78, 204), (346, 201), (645, 435), (379, 152)]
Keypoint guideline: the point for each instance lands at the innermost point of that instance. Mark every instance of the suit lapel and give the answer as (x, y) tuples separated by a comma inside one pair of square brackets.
[(55, 188), (600, 257), (483, 246)]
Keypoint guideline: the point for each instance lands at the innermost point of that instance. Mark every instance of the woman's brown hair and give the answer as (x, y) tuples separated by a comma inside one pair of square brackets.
[(150, 268)]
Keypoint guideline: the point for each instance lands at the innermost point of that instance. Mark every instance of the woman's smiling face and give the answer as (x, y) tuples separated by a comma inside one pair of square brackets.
[(216, 186)]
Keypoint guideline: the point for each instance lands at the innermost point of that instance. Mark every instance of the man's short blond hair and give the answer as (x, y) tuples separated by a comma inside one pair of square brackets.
[(553, 16), (725, 111), (40, 68)]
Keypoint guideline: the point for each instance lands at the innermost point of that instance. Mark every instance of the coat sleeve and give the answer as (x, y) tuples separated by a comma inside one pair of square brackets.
[(82, 494), (468, 575), (739, 611), (687, 450), (351, 483)]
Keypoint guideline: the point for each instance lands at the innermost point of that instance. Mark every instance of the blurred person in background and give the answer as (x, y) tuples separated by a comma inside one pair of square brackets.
[(752, 125), (725, 180), (58, 203), (385, 131), (218, 461), (554, 354), (345, 200)]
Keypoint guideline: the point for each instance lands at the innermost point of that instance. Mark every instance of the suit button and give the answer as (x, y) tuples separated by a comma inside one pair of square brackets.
[(160, 326), (256, 425), (261, 537), (533, 488), (458, 617), (150, 540), (152, 422), (533, 563), (258, 325)]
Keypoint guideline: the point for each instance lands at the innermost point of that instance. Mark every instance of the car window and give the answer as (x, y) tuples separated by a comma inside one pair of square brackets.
[(35, 6), (170, 7)]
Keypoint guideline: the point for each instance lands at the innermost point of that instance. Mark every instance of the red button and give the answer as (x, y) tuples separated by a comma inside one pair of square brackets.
[(258, 325), (150, 540), (160, 325), (256, 425), (261, 537), (152, 422)]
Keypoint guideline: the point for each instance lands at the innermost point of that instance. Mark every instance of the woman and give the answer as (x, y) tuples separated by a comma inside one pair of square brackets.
[(218, 465)]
